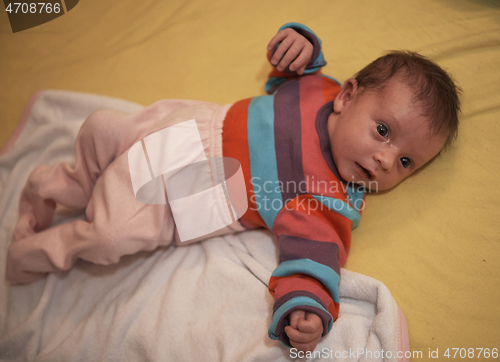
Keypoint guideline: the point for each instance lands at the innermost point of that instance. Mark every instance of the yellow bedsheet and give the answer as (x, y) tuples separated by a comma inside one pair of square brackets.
[(434, 240)]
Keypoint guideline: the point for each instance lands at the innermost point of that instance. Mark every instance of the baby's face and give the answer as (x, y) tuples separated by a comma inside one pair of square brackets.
[(379, 138)]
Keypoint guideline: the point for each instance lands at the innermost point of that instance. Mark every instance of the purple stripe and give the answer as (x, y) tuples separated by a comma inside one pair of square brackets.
[(324, 138), (323, 252), (298, 293), (288, 140)]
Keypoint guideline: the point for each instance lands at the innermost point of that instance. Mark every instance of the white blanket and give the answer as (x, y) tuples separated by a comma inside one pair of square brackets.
[(202, 302)]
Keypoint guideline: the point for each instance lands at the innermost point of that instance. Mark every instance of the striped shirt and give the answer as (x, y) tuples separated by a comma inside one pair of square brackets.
[(294, 188)]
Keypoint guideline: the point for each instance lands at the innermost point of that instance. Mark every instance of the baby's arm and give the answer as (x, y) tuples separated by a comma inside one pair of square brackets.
[(294, 51), (304, 330)]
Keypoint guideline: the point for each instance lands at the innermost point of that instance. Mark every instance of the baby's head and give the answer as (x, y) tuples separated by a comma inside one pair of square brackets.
[(391, 119)]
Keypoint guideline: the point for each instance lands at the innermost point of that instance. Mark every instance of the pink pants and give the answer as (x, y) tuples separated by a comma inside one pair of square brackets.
[(117, 224)]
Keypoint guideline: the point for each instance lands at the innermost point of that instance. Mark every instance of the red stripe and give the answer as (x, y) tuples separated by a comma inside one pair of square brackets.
[(235, 145), (318, 176), (330, 91), (314, 164), (307, 218), (279, 286), (284, 285)]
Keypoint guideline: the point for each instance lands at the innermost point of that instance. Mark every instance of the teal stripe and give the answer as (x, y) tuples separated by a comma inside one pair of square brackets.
[(273, 81), (294, 302), (341, 207), (263, 167), (355, 197), (299, 26), (327, 276)]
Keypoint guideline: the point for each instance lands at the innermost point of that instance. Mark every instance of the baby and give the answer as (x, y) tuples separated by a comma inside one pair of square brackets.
[(308, 151)]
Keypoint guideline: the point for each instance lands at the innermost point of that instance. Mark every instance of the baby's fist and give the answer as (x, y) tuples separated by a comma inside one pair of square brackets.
[(294, 51), (305, 330)]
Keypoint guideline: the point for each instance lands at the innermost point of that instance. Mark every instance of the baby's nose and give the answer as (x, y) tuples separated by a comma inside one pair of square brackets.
[(386, 160)]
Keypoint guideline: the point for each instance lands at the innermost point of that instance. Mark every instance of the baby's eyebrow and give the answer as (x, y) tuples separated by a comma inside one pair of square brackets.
[(394, 122)]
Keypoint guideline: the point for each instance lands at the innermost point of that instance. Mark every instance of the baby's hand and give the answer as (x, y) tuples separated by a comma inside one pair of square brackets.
[(305, 330), (296, 47)]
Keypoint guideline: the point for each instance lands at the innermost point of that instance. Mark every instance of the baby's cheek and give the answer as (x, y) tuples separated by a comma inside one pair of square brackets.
[(392, 182)]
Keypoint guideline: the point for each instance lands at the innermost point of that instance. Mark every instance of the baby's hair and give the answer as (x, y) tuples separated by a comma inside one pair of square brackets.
[(434, 89)]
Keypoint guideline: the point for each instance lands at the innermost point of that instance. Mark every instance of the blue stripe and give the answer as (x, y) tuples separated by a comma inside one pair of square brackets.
[(355, 197), (263, 167), (294, 302), (341, 207), (326, 275), (272, 83), (300, 26)]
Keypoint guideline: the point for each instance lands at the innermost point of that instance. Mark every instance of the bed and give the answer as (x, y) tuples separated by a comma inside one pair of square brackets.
[(430, 246)]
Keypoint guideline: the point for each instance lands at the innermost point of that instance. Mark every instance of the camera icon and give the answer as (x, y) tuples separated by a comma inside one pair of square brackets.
[(204, 194)]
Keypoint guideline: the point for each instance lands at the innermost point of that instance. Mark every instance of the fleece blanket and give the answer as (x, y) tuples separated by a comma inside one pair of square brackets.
[(206, 301)]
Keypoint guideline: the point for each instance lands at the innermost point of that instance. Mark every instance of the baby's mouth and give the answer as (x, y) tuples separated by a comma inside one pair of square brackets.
[(365, 172)]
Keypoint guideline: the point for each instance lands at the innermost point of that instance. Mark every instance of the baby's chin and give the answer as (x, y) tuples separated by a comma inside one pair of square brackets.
[(367, 185), (361, 184)]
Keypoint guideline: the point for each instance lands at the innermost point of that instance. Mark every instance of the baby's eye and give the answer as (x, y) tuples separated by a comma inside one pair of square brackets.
[(405, 161), (382, 130)]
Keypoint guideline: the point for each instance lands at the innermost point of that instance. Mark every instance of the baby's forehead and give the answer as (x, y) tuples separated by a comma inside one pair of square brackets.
[(397, 90), (401, 83), (401, 107)]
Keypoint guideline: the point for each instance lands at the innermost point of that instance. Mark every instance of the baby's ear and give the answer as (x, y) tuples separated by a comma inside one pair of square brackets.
[(347, 93)]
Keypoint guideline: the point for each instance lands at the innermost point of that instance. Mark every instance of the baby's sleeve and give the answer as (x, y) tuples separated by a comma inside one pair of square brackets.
[(276, 77), (313, 241)]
